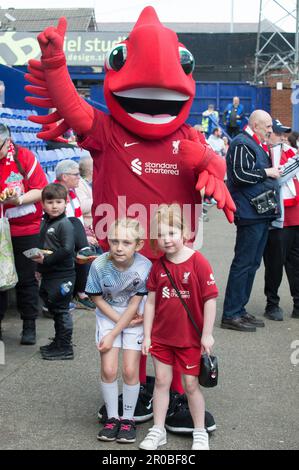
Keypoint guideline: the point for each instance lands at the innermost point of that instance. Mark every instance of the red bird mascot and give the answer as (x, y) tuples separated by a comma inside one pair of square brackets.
[(143, 151)]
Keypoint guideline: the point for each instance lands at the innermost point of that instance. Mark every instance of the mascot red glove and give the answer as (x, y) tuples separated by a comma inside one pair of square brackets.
[(210, 169)]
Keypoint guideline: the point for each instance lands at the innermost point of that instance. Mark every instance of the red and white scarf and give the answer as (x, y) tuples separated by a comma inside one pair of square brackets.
[(257, 140), (73, 208), (290, 190)]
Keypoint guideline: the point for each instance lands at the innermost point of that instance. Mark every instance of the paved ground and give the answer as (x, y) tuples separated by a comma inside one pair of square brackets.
[(48, 405)]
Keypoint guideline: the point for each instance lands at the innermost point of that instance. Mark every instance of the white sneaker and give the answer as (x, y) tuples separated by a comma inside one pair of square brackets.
[(155, 438), (200, 440)]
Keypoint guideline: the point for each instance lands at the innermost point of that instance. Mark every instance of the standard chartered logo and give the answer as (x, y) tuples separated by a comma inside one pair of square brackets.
[(136, 166), (154, 168), (165, 293)]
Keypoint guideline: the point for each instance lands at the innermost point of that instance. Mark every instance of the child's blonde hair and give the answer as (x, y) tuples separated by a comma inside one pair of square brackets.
[(171, 215), (132, 226)]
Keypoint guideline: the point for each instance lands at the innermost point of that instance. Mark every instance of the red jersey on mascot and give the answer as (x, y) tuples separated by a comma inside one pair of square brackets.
[(143, 152)]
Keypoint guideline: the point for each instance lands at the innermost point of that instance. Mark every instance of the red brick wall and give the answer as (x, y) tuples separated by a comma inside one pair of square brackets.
[(281, 106)]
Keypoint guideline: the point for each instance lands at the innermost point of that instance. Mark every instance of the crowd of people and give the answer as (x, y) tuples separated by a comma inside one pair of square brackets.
[(126, 290)]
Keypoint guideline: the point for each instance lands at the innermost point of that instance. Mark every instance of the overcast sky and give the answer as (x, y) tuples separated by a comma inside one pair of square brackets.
[(174, 10)]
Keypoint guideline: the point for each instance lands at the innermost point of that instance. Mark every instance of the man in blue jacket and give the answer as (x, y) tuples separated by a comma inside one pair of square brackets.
[(232, 117), (249, 174)]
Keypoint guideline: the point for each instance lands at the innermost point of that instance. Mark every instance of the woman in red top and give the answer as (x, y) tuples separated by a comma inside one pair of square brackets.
[(21, 182), (169, 334)]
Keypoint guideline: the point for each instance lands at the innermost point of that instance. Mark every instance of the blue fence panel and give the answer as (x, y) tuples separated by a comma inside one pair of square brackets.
[(220, 94)]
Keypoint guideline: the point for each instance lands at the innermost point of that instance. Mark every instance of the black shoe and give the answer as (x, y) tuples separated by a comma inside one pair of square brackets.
[(144, 407), (58, 353), (50, 346), (110, 430), (29, 333), (295, 313), (237, 324), (179, 419), (274, 313), (127, 431), (252, 320)]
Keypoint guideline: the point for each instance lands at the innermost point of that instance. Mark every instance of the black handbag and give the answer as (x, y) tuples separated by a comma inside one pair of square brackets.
[(265, 202), (208, 374)]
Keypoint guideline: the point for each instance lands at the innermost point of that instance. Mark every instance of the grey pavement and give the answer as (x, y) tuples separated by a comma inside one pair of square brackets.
[(53, 405)]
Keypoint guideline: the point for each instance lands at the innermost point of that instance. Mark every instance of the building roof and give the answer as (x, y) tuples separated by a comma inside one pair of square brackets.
[(37, 19), (266, 26)]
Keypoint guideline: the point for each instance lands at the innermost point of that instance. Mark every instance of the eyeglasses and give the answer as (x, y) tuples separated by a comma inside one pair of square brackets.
[(71, 174)]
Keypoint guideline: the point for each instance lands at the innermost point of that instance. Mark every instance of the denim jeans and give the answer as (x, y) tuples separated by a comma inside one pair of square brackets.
[(250, 244)]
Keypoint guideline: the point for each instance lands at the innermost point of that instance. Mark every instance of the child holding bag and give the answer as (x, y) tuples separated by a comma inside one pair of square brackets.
[(169, 334)]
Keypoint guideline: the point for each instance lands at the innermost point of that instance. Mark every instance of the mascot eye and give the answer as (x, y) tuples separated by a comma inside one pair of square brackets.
[(116, 58), (187, 60)]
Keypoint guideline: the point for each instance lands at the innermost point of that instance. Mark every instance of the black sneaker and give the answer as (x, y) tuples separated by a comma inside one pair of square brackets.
[(50, 346), (179, 419), (29, 333), (110, 430), (127, 431), (58, 353), (144, 407), (274, 313)]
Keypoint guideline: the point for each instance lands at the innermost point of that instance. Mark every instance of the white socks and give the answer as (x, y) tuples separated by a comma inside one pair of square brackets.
[(130, 397), (110, 395)]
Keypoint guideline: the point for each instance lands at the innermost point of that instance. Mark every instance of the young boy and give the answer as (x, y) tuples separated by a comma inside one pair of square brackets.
[(57, 269)]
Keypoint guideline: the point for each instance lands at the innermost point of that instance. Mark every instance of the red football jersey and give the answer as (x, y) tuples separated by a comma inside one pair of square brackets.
[(195, 281), (132, 174)]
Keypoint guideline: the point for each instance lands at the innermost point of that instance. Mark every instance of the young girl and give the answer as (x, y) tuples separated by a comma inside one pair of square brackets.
[(169, 334), (117, 283)]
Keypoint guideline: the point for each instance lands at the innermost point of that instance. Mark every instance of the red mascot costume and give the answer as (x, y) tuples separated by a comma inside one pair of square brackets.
[(143, 151)]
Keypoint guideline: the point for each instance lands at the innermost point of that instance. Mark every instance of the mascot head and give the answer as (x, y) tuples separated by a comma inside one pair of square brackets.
[(149, 87)]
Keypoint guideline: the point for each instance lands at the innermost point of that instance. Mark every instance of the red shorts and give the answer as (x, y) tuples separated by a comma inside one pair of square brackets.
[(185, 360)]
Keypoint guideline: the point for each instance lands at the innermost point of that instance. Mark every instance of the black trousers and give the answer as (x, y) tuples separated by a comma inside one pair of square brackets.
[(81, 241), (27, 286), (282, 251), (58, 304), (3, 303)]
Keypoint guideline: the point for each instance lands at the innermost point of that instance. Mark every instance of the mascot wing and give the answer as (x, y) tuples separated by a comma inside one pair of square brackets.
[(53, 86)]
